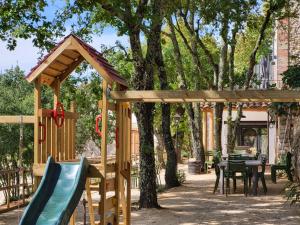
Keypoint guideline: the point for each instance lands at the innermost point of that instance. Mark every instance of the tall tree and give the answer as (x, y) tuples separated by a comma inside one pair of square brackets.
[(193, 111), (272, 8), (128, 17)]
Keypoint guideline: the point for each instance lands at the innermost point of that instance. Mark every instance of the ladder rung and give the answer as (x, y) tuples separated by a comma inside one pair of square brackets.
[(95, 205), (94, 187)]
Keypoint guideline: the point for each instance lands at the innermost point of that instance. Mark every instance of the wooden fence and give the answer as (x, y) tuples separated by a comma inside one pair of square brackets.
[(15, 186)]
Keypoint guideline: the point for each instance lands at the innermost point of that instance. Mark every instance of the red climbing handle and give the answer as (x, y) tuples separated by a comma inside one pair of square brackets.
[(43, 128), (98, 131), (59, 114)]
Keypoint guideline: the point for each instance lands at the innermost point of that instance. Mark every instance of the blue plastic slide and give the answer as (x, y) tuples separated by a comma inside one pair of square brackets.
[(57, 195)]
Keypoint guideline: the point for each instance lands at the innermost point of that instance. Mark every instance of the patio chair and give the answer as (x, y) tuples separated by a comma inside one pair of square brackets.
[(233, 156), (233, 168), (286, 166), (208, 161)]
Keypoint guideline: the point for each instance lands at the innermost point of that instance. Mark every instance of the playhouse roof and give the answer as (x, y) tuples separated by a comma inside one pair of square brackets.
[(66, 56)]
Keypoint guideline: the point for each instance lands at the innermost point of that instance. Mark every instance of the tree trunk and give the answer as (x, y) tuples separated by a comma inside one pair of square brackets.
[(194, 116), (171, 166), (230, 137), (143, 80), (218, 120), (148, 195), (160, 148)]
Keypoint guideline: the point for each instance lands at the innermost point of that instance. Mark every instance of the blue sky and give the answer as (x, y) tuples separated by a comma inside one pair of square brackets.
[(26, 56)]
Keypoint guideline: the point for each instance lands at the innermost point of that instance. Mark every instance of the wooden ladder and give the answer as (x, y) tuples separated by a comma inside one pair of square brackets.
[(110, 207)]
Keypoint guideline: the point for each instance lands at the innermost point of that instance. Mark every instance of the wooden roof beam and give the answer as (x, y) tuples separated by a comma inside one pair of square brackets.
[(71, 68)]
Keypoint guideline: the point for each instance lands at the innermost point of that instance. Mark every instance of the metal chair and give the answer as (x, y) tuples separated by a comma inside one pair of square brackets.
[(234, 167), (285, 166)]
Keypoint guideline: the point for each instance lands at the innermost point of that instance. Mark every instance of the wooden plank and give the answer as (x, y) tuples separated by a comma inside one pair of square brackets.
[(73, 131), (71, 68), (17, 119), (48, 137), (71, 53), (62, 141), (64, 60), (90, 201), (110, 184), (110, 203), (51, 72), (53, 140), (49, 112), (43, 147), (37, 106), (208, 96), (67, 139)]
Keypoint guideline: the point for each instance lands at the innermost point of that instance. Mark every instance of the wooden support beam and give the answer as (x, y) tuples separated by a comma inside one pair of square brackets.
[(71, 68), (37, 106), (48, 113), (17, 119), (208, 96), (104, 150), (111, 106)]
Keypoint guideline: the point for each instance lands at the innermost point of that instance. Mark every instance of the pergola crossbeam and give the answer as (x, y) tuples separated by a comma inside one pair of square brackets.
[(182, 96)]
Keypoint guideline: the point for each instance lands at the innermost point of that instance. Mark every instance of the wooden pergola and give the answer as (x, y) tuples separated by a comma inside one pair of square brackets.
[(182, 96)]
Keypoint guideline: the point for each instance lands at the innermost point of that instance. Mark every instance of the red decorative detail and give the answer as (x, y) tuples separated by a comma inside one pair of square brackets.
[(43, 128), (59, 114), (98, 118), (117, 137)]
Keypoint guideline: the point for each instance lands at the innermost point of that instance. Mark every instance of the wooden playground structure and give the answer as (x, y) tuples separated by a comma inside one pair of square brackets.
[(55, 129)]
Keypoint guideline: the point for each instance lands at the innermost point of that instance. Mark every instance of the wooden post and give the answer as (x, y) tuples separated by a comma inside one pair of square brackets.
[(103, 151), (57, 142), (73, 218), (37, 106), (23, 184), (128, 159), (117, 176), (8, 189), (90, 201), (73, 132)]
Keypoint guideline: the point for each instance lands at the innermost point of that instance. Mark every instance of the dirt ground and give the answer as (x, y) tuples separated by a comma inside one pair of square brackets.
[(193, 203)]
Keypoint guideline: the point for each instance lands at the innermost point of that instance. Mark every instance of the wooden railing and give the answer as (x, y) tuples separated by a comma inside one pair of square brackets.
[(59, 142), (15, 186)]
